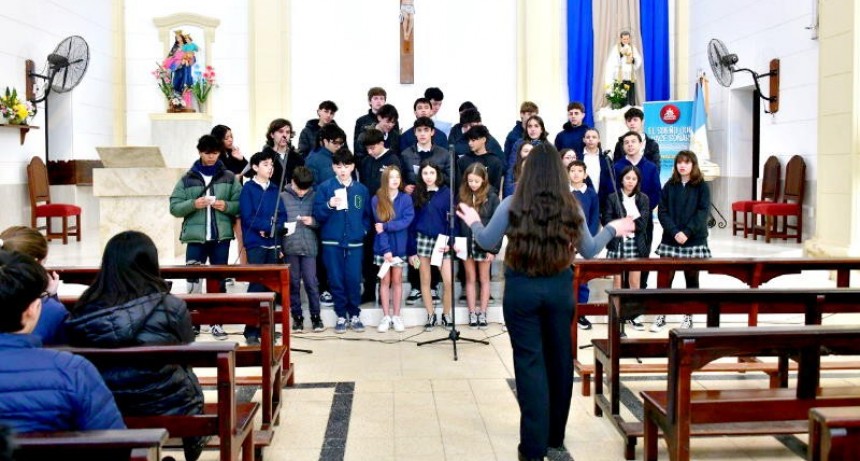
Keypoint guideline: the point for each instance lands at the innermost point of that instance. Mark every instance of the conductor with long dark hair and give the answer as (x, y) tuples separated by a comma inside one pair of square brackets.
[(545, 228)]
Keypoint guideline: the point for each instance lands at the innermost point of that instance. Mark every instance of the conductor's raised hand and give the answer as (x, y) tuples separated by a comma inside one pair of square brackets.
[(468, 214), (623, 227)]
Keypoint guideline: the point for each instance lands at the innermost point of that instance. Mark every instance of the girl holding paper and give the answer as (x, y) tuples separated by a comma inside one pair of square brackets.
[(392, 213), (475, 191), (432, 200)]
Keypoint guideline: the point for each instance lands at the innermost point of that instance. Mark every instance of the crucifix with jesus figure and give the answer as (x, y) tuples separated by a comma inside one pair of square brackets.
[(407, 40)]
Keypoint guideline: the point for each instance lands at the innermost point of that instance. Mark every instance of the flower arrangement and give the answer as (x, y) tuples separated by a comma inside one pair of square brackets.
[(203, 84), (616, 94), (14, 110), (162, 78)]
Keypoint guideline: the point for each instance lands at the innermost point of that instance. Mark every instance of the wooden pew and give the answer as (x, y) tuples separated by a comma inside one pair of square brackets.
[(812, 304), (276, 277), (834, 434), (752, 272), (107, 445), (252, 308), (230, 421), (681, 412)]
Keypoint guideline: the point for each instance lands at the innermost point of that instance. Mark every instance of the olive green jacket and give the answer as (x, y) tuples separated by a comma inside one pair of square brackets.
[(224, 187)]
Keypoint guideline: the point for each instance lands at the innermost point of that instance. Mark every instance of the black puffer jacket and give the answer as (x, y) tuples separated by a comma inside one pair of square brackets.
[(155, 319)]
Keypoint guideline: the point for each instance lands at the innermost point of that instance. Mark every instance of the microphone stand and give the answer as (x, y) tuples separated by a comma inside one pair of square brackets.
[(275, 232), (454, 334), (625, 282)]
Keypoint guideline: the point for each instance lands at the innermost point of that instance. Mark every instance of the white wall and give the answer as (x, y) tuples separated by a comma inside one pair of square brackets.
[(758, 32), (341, 48), (80, 120), (229, 57)]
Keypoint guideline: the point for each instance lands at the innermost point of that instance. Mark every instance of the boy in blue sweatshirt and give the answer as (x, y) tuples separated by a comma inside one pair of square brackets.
[(590, 204), (342, 208), (261, 224)]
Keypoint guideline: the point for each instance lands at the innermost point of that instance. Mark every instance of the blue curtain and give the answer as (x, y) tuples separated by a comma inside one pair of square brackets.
[(654, 23), (580, 55)]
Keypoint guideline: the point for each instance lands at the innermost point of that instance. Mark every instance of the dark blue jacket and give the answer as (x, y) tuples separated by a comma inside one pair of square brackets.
[(343, 228), (514, 135), (320, 164), (431, 219), (51, 327), (461, 148), (590, 204), (570, 137), (495, 169), (395, 232), (412, 159), (257, 208), (650, 178), (607, 186), (47, 390), (408, 139), (370, 169), (685, 209)]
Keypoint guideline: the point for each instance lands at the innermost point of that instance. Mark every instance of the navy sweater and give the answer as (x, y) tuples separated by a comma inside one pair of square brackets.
[(570, 137), (257, 207), (395, 232), (685, 209), (431, 219), (343, 228)]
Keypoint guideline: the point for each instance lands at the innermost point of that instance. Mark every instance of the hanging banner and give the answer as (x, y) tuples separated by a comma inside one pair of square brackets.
[(670, 124)]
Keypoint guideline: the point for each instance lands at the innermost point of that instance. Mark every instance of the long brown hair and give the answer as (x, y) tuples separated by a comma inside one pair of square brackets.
[(545, 219), (475, 198), (384, 205), (25, 240), (420, 196), (696, 175)]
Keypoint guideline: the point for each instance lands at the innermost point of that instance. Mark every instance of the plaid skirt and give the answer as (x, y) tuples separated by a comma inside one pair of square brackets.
[(476, 252), (629, 250), (379, 259), (692, 252), (425, 246)]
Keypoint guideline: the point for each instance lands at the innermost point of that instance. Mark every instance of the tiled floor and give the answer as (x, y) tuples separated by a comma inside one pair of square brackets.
[(378, 396)]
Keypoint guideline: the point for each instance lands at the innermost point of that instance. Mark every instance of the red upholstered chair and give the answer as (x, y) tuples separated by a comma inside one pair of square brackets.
[(769, 191), (41, 206), (791, 205)]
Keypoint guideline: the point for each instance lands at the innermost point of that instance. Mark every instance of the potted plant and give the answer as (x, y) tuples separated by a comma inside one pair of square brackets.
[(616, 94), (14, 110)]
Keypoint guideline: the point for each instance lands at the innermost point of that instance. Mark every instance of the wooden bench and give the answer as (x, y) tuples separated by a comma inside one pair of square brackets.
[(834, 434), (752, 272), (276, 277), (250, 308), (811, 304), (681, 412), (107, 445), (230, 421)]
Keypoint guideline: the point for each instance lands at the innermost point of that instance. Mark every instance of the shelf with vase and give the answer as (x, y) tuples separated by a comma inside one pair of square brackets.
[(24, 129)]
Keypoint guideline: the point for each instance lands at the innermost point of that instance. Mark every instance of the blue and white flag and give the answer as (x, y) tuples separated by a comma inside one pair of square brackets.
[(699, 138)]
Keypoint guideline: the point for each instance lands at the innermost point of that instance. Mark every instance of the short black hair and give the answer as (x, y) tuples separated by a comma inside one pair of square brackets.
[(421, 101), (479, 131), (266, 154), (631, 133), (372, 137), (303, 177), (434, 94), (424, 121), (332, 132), (328, 105), (208, 143), (343, 157), (466, 105), (470, 116), (634, 112), (22, 281), (387, 111)]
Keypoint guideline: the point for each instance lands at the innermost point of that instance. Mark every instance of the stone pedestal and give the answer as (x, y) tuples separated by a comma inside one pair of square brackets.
[(610, 123), (137, 197), (177, 134)]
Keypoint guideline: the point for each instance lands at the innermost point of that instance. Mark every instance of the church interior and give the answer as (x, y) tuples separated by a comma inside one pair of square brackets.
[(115, 141)]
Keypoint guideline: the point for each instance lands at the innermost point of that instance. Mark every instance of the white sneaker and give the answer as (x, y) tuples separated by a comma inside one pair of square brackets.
[(384, 324), (687, 322), (659, 323), (398, 324)]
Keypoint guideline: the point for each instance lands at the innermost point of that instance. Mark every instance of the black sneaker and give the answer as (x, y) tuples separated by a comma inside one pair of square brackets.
[(583, 323), (298, 323), (317, 324), (482, 321), (414, 296), (446, 322), (430, 324), (636, 324), (473, 320), (196, 329)]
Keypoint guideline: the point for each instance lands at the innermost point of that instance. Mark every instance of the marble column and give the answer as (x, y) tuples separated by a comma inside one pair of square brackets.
[(837, 205), (177, 134)]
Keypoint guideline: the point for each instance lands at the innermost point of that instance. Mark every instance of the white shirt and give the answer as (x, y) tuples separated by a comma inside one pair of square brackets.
[(592, 167), (206, 181)]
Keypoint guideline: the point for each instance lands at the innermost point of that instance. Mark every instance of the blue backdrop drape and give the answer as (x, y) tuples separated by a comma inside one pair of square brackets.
[(654, 24), (580, 55)]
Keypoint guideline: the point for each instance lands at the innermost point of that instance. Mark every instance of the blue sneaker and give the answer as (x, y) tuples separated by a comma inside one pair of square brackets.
[(355, 324), (340, 326)]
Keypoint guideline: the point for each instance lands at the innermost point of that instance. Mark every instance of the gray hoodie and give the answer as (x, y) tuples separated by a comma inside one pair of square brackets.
[(304, 241)]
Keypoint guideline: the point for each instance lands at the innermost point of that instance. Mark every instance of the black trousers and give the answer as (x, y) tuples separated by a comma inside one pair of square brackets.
[(538, 312), (368, 269)]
